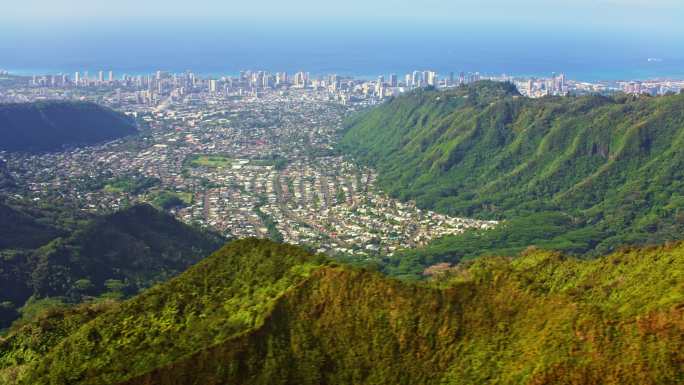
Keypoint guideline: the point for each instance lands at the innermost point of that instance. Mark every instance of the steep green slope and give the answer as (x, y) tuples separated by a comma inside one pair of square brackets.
[(596, 172), (117, 254), (537, 319), (222, 296), (46, 126)]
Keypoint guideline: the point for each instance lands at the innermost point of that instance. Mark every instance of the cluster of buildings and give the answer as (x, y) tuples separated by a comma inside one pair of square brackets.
[(539, 87), (163, 87), (651, 87)]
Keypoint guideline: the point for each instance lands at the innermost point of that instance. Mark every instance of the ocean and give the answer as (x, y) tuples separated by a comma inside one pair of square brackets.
[(582, 54)]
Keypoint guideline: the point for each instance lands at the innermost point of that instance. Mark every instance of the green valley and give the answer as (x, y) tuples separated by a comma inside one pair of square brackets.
[(579, 174)]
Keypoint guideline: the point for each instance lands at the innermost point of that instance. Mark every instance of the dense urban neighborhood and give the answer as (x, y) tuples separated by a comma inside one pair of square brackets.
[(257, 164)]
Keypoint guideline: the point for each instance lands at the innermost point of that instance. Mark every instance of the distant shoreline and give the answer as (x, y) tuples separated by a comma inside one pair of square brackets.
[(358, 75)]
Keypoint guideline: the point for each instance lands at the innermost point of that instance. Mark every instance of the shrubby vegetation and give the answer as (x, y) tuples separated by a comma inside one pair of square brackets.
[(224, 295), (41, 328), (51, 125), (579, 174), (167, 200), (263, 313)]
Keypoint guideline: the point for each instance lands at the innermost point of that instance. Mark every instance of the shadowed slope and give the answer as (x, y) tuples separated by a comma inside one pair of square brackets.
[(51, 125)]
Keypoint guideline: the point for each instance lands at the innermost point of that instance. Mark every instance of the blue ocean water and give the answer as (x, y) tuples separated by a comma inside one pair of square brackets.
[(582, 53)]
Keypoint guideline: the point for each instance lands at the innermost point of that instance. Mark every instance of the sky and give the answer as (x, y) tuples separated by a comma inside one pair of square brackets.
[(534, 36), (650, 13)]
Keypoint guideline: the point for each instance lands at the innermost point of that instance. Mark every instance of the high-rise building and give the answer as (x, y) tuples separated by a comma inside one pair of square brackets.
[(393, 80), (407, 80), (300, 79), (267, 80), (212, 86), (77, 78), (417, 79), (100, 77), (430, 78), (379, 85), (111, 76), (334, 82), (281, 78)]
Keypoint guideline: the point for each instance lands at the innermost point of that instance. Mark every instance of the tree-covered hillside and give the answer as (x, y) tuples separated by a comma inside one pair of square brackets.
[(577, 174), (22, 229), (256, 312), (116, 255), (51, 125), (7, 182)]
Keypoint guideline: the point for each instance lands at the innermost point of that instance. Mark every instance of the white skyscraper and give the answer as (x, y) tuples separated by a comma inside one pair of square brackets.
[(416, 80), (431, 78)]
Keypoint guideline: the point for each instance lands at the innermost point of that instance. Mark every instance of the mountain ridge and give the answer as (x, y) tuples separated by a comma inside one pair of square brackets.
[(539, 319)]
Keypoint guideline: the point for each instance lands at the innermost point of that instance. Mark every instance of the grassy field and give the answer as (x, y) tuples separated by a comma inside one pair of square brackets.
[(211, 161)]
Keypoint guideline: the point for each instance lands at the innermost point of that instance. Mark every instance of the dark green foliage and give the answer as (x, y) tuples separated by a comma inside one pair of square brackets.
[(7, 182), (139, 246), (262, 313), (117, 255), (273, 232), (22, 229), (46, 126), (613, 167)]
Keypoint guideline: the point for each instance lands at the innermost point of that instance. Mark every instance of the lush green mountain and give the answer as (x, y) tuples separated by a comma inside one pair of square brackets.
[(257, 312), (116, 255), (572, 173), (46, 126)]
